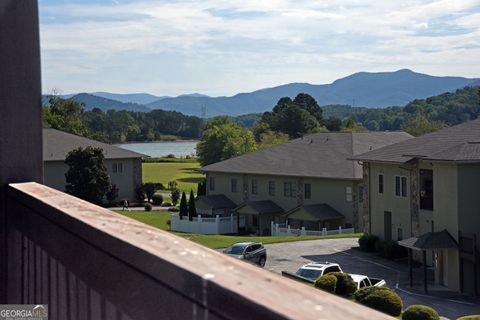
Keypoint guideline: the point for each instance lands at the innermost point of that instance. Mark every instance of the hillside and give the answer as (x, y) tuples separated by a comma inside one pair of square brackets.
[(363, 89), (139, 98), (91, 101)]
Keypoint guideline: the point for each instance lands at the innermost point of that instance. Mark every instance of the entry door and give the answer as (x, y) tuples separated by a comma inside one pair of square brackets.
[(387, 225)]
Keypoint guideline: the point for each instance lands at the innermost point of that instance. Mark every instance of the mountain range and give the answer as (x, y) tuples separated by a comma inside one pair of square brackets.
[(363, 89)]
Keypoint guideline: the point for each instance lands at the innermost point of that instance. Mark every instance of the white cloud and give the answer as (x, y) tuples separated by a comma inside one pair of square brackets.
[(223, 47)]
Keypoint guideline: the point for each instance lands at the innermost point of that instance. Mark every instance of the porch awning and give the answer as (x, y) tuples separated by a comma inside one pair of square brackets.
[(430, 240), (314, 212), (217, 201), (258, 207)]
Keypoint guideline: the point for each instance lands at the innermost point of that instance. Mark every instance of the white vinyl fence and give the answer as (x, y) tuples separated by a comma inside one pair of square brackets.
[(206, 225), (285, 230)]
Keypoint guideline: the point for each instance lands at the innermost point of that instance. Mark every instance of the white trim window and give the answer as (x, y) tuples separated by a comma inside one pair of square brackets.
[(289, 190), (211, 183), (401, 186), (348, 194), (254, 186), (381, 184), (271, 188), (234, 185), (307, 190), (117, 167)]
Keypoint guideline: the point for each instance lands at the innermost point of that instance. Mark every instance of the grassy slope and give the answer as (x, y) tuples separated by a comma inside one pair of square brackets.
[(159, 220), (184, 173)]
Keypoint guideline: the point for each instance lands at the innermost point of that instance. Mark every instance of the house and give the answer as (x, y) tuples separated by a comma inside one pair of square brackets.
[(124, 166), (307, 181), (424, 192)]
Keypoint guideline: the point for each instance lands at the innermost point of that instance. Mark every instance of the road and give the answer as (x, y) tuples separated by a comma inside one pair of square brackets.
[(290, 256)]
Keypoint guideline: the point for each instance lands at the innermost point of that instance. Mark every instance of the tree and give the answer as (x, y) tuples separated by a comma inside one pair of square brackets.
[(420, 125), (87, 176), (183, 206), (296, 122), (149, 189), (223, 139), (175, 195), (202, 188), (65, 115), (333, 124), (192, 211), (352, 126), (112, 194)]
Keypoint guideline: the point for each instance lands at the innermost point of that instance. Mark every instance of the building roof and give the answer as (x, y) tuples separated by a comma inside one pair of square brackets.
[(320, 155), (321, 212), (57, 144), (216, 201), (460, 143), (430, 240), (261, 206)]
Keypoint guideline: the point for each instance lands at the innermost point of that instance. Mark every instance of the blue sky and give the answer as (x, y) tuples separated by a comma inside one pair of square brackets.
[(230, 46)]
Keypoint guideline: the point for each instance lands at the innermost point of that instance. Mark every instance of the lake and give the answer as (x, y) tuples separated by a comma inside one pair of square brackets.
[(162, 149)]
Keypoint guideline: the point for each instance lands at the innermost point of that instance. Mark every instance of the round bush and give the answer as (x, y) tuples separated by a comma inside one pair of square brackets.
[(345, 284), (367, 242), (157, 199), (419, 312), (166, 204), (386, 301), (148, 207), (361, 293), (474, 317), (327, 283)]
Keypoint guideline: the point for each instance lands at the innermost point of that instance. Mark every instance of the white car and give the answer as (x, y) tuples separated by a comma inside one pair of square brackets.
[(315, 270), (364, 281)]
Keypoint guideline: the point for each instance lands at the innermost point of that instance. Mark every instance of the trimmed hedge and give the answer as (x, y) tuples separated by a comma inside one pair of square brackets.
[(475, 317), (157, 199), (362, 293), (345, 284), (385, 300), (390, 249), (327, 283), (148, 207), (420, 312), (367, 242)]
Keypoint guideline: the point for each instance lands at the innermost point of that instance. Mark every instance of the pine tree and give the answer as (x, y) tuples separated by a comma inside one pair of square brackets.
[(183, 206), (192, 211)]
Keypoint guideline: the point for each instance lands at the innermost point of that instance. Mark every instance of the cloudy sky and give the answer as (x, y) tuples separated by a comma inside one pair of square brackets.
[(225, 47)]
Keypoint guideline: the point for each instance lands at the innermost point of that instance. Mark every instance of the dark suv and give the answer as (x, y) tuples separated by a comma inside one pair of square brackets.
[(251, 251)]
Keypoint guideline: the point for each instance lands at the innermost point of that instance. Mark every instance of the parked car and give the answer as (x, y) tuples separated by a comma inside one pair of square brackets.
[(312, 271), (364, 281), (250, 251)]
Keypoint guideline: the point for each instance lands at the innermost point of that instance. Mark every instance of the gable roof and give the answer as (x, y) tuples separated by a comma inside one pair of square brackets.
[(57, 144), (215, 201), (320, 212), (430, 240), (261, 206), (458, 143), (320, 155)]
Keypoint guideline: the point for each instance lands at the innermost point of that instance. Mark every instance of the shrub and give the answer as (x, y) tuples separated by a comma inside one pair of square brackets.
[(327, 283), (362, 293), (168, 222), (390, 249), (367, 242), (419, 312), (170, 156), (148, 207), (157, 199), (166, 204), (476, 317), (345, 284), (386, 301)]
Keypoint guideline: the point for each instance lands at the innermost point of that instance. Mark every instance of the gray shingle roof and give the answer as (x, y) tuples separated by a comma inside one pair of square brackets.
[(216, 201), (320, 211), (457, 143), (430, 240), (262, 206), (57, 144), (320, 155)]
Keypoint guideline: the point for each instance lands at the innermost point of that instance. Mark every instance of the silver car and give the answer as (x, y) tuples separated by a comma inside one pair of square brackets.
[(250, 251)]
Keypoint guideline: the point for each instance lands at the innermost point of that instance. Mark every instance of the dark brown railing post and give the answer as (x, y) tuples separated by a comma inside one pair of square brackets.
[(20, 109)]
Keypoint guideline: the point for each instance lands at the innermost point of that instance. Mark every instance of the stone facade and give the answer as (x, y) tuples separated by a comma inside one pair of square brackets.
[(366, 199)]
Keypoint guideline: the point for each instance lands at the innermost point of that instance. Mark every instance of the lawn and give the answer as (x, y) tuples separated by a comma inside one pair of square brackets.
[(159, 220), (182, 172)]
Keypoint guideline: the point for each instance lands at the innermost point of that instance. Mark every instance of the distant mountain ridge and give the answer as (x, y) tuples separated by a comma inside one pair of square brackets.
[(362, 89)]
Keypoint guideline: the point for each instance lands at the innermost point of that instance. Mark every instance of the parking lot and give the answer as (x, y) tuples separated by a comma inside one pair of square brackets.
[(290, 256)]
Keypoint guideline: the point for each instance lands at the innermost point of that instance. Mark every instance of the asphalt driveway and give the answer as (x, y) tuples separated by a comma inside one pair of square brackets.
[(290, 256)]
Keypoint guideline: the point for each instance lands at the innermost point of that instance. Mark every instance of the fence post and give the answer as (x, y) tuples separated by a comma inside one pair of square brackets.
[(199, 224), (272, 228), (303, 232), (324, 231), (288, 230), (232, 224), (217, 224), (339, 229)]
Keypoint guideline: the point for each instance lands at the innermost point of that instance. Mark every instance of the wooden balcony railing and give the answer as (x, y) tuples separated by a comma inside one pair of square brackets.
[(87, 262)]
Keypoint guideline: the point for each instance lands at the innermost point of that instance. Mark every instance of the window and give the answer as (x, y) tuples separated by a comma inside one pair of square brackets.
[(289, 190), (211, 183), (271, 188), (348, 194), (254, 220), (380, 183), (117, 167), (308, 190), (426, 190), (254, 186), (234, 185), (332, 269), (400, 186), (360, 194)]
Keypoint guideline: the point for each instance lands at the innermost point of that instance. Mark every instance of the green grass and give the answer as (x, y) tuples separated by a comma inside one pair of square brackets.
[(159, 220), (184, 173)]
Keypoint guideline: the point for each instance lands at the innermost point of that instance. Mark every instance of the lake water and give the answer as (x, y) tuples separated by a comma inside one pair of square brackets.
[(161, 149)]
